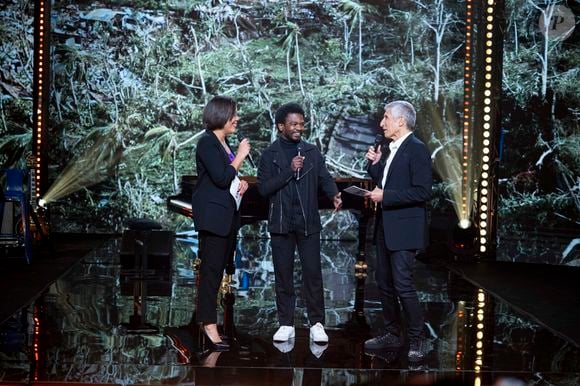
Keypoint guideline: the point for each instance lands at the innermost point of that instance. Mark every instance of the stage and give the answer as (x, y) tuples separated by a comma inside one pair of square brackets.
[(97, 324)]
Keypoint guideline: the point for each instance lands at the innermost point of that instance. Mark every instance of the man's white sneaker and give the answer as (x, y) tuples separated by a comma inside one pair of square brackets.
[(317, 334), (284, 333), (286, 346)]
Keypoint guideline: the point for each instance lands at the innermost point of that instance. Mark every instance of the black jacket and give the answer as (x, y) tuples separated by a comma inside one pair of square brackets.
[(276, 178), (212, 205), (405, 195)]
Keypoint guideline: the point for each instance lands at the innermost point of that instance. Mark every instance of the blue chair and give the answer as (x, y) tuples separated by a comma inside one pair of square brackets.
[(15, 192)]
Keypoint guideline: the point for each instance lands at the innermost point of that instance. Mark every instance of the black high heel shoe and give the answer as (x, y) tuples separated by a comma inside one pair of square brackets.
[(210, 345)]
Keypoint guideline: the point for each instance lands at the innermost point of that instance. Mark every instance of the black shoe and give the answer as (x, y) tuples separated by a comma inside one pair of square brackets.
[(418, 349), (210, 345), (388, 340)]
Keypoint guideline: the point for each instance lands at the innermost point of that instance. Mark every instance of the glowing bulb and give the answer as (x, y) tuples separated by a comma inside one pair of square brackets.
[(464, 223)]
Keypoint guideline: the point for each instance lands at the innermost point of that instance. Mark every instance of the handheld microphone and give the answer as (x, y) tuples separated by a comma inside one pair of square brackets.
[(240, 138), (299, 147), (379, 139)]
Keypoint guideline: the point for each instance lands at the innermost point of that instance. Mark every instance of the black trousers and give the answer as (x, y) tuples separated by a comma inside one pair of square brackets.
[(394, 275), (283, 247), (214, 252)]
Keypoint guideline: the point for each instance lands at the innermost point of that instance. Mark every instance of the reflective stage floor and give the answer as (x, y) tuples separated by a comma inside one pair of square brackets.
[(99, 324)]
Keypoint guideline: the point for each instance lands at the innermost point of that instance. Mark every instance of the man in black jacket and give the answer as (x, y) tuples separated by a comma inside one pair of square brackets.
[(289, 175)]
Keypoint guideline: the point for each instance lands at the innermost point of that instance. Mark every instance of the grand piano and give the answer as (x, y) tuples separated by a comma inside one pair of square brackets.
[(254, 207)]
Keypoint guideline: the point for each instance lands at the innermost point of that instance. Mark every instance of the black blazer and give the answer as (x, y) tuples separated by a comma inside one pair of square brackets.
[(405, 195), (212, 206)]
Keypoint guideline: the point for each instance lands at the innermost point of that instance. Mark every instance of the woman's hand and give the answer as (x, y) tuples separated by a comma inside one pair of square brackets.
[(243, 187), (243, 151), (244, 148)]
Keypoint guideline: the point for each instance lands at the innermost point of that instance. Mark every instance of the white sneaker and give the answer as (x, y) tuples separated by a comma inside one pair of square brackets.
[(286, 346), (284, 333), (317, 334)]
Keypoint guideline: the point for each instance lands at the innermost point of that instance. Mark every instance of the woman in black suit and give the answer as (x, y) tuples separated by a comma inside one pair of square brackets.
[(214, 209)]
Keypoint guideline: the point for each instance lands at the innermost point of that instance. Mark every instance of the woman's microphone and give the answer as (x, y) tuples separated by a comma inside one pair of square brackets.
[(241, 137), (379, 139)]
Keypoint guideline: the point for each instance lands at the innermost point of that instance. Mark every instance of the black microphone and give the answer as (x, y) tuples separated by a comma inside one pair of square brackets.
[(379, 139), (299, 147), (241, 138)]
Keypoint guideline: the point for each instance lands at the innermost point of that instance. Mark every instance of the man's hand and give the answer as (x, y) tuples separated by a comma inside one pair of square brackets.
[(243, 187), (337, 201), (297, 163), (376, 195), (374, 155)]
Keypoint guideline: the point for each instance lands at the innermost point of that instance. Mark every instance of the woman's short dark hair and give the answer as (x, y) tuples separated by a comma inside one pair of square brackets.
[(288, 108), (218, 112)]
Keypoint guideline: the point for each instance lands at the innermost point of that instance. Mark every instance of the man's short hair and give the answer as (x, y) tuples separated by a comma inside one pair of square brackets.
[(403, 109), (218, 111), (288, 108)]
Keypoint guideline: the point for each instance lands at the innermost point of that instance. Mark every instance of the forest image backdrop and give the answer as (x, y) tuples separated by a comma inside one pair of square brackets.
[(131, 78)]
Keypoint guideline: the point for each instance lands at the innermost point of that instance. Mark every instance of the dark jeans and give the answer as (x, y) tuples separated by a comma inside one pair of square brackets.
[(394, 275), (283, 247), (214, 252)]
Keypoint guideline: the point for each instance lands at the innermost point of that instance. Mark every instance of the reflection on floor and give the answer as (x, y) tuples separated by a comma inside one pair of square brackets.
[(101, 324)]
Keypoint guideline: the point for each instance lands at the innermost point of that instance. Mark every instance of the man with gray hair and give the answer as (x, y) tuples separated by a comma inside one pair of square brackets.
[(404, 181)]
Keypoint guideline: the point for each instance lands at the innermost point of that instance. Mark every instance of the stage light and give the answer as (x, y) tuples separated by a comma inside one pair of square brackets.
[(483, 224), (42, 203), (464, 224)]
